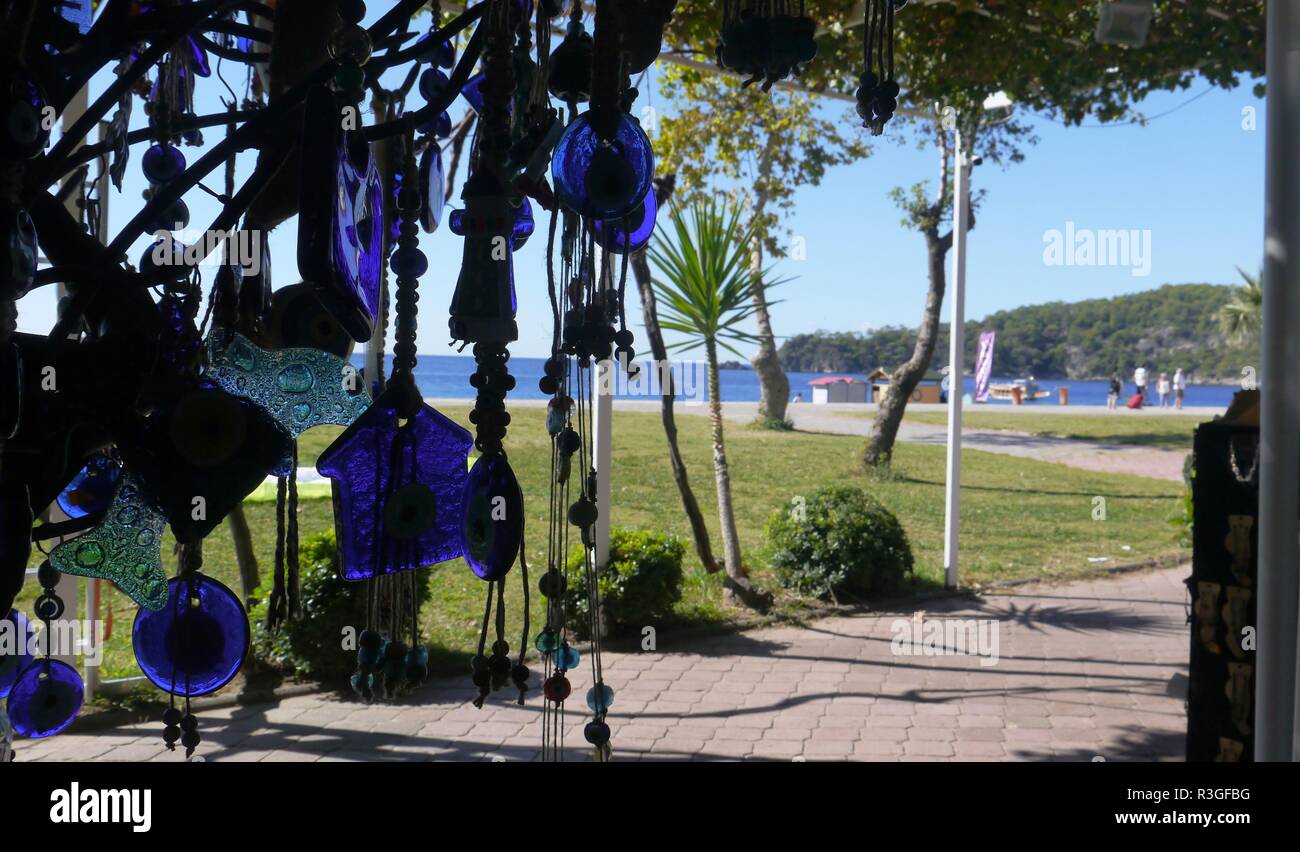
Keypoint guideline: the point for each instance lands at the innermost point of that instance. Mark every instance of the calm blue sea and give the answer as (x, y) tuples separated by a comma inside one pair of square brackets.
[(447, 376)]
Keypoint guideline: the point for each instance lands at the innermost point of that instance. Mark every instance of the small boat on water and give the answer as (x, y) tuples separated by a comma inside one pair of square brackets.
[(1028, 389)]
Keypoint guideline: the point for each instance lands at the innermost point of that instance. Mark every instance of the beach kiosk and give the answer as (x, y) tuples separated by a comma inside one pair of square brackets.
[(839, 389)]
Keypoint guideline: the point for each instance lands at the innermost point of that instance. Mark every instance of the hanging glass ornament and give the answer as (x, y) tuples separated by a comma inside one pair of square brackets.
[(399, 475), (433, 183), (602, 181), (25, 131), (494, 518), (91, 491), (125, 548), (45, 698), (341, 231), (16, 638), (630, 233), (18, 255), (300, 388), (197, 642), (298, 320), (570, 64), (483, 306), (47, 694)]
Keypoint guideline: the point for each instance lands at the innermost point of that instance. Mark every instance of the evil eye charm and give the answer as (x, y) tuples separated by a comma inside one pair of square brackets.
[(494, 517), (91, 491), (45, 699), (196, 643), (599, 179), (410, 512), (208, 428)]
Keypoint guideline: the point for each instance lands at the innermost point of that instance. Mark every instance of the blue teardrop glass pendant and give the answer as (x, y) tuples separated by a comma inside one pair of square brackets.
[(16, 633), (433, 185), (45, 699), (162, 163), (91, 491), (494, 518), (602, 181), (196, 643), (630, 233)]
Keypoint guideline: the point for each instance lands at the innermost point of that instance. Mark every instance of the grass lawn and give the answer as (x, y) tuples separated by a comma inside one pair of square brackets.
[(1164, 432), (1028, 519)]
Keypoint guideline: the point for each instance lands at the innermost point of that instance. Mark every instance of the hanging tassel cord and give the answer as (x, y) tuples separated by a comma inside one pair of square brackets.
[(484, 687), (294, 588), (277, 604)]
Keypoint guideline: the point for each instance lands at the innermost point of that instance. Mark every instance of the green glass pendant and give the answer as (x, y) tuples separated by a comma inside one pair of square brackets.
[(300, 388), (125, 549)]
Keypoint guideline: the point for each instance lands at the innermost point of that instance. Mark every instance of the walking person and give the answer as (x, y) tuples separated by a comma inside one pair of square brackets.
[(1140, 382), (1180, 387), (1116, 388), (1162, 388)]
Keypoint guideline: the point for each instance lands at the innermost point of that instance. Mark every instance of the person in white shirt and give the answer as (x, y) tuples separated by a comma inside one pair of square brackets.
[(1180, 387), (1140, 380), (1162, 389)]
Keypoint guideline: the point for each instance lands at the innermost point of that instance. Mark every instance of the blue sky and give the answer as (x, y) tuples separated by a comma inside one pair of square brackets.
[(1193, 179)]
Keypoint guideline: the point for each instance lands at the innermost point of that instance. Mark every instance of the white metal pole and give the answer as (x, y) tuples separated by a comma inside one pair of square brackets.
[(956, 362), (1279, 593)]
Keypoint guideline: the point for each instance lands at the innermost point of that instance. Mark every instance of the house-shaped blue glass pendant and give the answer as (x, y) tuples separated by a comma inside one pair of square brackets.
[(399, 474)]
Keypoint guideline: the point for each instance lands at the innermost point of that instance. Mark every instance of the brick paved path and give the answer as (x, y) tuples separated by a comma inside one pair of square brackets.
[(1084, 671)]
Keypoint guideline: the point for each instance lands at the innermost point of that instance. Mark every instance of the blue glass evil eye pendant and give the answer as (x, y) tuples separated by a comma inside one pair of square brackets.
[(493, 526), (399, 473), (124, 549), (15, 648), (340, 236), (196, 643), (92, 489), (602, 180), (299, 388), (629, 233), (45, 698)]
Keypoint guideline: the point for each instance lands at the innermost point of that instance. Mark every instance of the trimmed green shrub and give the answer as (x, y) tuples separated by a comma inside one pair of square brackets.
[(840, 540), (638, 587), (312, 647)]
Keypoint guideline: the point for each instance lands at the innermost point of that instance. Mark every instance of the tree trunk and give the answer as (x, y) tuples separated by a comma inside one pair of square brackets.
[(884, 429), (242, 539), (774, 386), (736, 586), (641, 272)]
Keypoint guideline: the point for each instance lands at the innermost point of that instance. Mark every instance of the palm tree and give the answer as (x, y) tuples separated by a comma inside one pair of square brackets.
[(1240, 318), (705, 291)]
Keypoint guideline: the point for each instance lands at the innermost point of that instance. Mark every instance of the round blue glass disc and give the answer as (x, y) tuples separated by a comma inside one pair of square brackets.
[(91, 490), (45, 699), (631, 232), (15, 640), (602, 181), (196, 643)]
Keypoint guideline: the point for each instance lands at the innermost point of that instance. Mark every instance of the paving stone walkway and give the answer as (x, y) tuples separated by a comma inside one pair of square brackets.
[(1084, 671)]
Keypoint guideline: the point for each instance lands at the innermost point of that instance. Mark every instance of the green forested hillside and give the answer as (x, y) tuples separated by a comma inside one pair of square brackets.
[(1173, 326)]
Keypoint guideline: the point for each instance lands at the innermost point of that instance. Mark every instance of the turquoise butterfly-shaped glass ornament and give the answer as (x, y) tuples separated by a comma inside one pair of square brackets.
[(299, 388), (125, 548)]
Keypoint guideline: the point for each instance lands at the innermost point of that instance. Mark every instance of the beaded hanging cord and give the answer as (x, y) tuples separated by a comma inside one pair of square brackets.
[(491, 378), (877, 95)]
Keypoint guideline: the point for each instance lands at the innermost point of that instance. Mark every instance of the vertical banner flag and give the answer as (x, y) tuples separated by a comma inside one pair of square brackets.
[(984, 365)]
